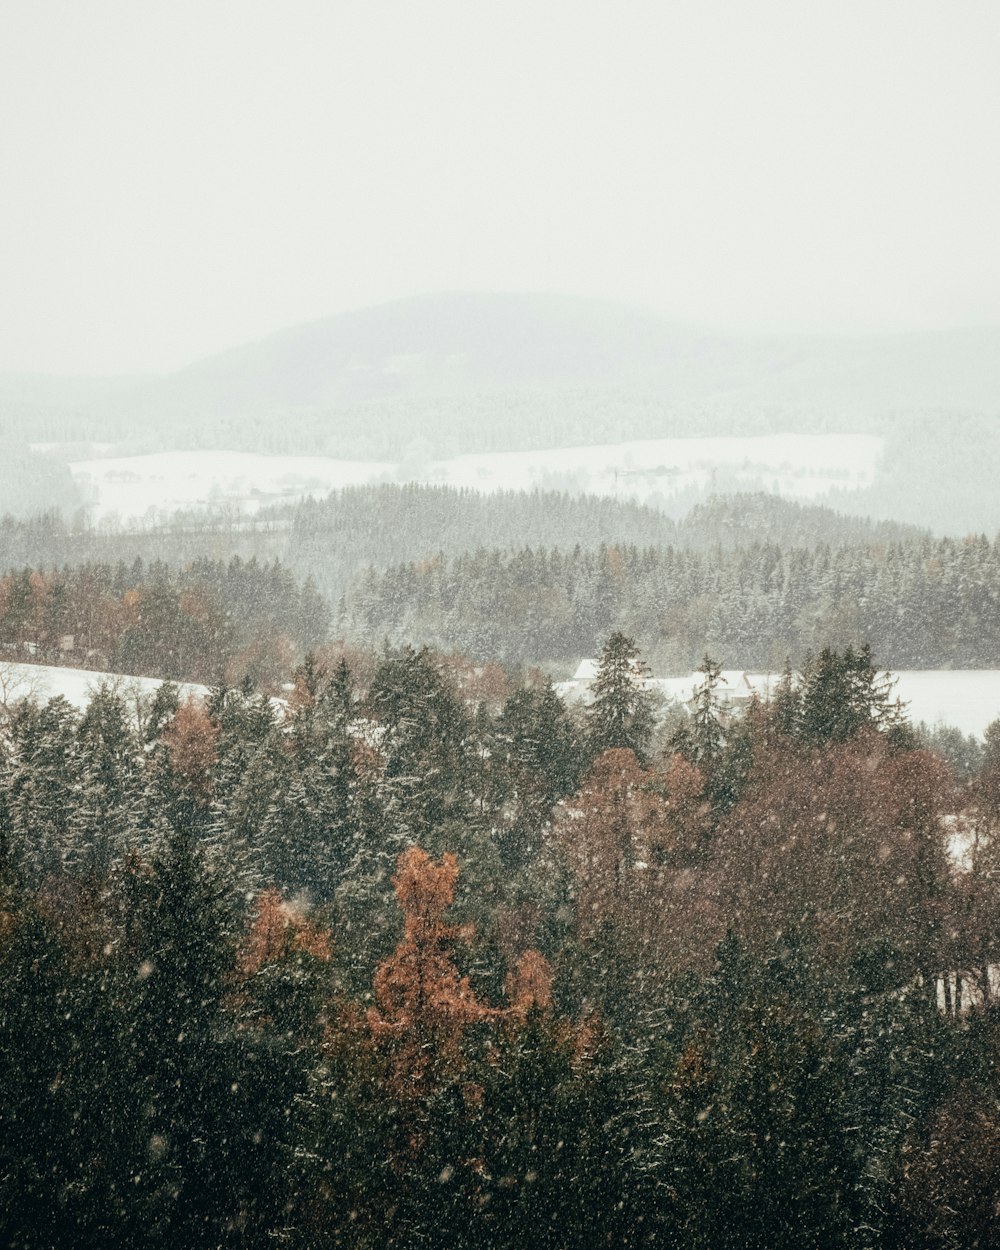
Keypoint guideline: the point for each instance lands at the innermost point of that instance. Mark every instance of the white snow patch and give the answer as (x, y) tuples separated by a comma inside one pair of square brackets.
[(801, 466), (78, 685), (149, 487), (967, 699)]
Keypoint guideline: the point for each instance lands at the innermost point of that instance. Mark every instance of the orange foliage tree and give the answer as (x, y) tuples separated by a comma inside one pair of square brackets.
[(278, 929), (529, 985), (847, 840), (285, 977), (190, 740), (424, 1004), (628, 837)]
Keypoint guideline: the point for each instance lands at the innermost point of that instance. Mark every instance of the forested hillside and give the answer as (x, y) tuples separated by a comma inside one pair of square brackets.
[(31, 483), (224, 591), (356, 528), (386, 525), (920, 604), (403, 969), (754, 578), (207, 621)]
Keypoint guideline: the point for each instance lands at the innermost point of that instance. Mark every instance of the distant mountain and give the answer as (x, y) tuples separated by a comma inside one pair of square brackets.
[(464, 345), (508, 364)]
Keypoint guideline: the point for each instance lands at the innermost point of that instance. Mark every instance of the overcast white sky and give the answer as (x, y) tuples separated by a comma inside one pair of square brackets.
[(176, 178)]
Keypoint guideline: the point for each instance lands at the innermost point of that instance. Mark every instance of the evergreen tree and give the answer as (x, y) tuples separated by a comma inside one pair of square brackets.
[(842, 694), (620, 715), (700, 740), (535, 760), (786, 704), (38, 1043), (422, 743), (44, 789), (755, 1111), (108, 810), (210, 1094)]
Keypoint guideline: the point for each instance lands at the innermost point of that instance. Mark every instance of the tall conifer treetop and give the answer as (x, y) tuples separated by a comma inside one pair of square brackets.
[(621, 715)]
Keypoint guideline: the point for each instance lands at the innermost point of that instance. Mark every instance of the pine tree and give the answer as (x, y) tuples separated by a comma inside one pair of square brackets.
[(535, 760), (423, 739), (108, 810), (842, 694), (210, 1090), (44, 789), (620, 715), (758, 1147), (38, 1045), (786, 703), (700, 741)]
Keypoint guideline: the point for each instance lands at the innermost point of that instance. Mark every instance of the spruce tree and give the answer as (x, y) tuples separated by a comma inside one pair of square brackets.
[(701, 740), (842, 693), (108, 807), (535, 760), (621, 714)]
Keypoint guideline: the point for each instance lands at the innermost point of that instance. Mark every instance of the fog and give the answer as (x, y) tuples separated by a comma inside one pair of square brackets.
[(181, 179)]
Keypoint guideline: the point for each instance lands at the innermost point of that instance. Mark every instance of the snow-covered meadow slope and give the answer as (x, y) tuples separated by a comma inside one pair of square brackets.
[(967, 699), (137, 488), (76, 685), (800, 466)]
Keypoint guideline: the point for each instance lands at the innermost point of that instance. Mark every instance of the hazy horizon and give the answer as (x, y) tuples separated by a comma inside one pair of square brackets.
[(807, 334), (181, 181)]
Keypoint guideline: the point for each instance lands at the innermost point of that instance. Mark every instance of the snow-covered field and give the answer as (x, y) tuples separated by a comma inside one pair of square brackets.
[(146, 487), (801, 466), (76, 685), (968, 699)]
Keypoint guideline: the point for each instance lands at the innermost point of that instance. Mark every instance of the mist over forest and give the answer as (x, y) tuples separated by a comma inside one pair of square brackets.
[(489, 820), (499, 625), (429, 378)]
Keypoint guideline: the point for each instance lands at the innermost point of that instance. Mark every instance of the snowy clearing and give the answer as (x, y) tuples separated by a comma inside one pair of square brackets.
[(76, 685), (150, 487), (967, 699), (800, 466)]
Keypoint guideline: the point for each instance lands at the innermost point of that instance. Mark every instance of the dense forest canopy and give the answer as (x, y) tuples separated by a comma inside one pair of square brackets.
[(919, 604), (405, 965), (753, 578)]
